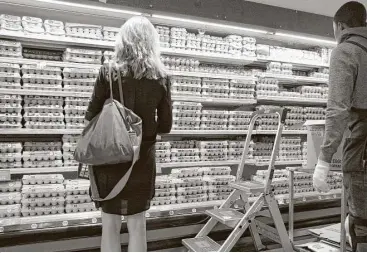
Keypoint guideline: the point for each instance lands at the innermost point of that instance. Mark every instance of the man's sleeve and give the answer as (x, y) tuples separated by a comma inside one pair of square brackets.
[(343, 73)]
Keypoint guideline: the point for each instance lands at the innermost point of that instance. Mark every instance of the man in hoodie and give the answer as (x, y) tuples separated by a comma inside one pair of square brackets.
[(347, 107)]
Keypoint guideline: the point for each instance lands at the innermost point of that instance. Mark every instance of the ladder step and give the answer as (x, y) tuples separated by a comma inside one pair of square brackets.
[(201, 244), (226, 216), (248, 187)]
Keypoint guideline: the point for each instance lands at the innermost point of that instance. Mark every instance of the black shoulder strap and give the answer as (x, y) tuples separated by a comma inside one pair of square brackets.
[(357, 44)]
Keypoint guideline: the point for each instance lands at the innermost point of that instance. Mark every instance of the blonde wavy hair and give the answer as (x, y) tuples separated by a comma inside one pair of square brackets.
[(137, 49)]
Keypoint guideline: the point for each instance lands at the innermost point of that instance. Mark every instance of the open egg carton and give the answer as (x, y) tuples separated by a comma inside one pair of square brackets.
[(218, 88), (8, 211), (10, 48), (80, 55), (190, 86), (32, 25), (180, 64), (42, 146), (192, 198), (54, 27), (10, 198), (110, 33), (84, 31), (11, 186), (42, 54), (82, 207), (167, 200)]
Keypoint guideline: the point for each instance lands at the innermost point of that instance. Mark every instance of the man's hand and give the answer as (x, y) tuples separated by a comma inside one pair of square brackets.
[(320, 176)]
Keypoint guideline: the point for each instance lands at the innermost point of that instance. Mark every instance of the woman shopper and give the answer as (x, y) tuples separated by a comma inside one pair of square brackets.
[(146, 91)]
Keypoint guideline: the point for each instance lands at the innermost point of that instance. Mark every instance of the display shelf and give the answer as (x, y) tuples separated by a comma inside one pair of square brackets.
[(197, 164), (285, 132), (27, 92), (43, 63), (206, 132), (292, 101), (26, 131), (212, 75), (299, 80), (20, 171), (309, 197), (216, 101), (280, 163), (296, 64)]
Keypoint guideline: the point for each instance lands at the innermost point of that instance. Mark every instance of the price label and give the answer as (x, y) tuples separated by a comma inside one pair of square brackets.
[(320, 197), (94, 220), (34, 226), (304, 199), (171, 212), (65, 223), (194, 210)]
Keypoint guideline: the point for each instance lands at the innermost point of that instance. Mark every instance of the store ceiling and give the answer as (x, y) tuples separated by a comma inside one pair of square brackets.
[(322, 7)]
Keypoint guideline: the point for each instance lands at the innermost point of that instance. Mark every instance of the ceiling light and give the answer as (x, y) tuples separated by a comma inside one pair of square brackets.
[(94, 7), (310, 39), (204, 23)]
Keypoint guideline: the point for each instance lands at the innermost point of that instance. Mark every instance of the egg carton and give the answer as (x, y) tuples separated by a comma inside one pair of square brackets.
[(10, 165), (44, 125), (74, 119), (11, 46), (42, 155), (69, 147), (162, 145), (213, 127), (213, 121), (185, 159), (70, 102), (77, 182), (79, 82), (43, 202), (218, 188), (239, 122), (67, 155), (162, 154), (10, 157), (9, 67), (163, 182), (184, 191), (108, 55), (242, 93), (43, 179), (43, 117), (83, 53), (184, 152), (219, 180), (73, 125), (166, 192), (38, 71), (218, 196), (224, 170), (78, 88), (82, 207), (42, 146), (38, 211), (84, 31), (181, 126), (54, 23), (186, 121), (12, 186), (10, 147), (10, 85), (188, 181), (195, 81), (110, 33), (48, 87), (185, 89), (236, 151), (186, 172), (168, 200), (216, 114), (12, 125), (77, 189), (8, 211), (71, 73), (43, 191), (55, 31), (42, 164), (186, 105), (212, 144), (183, 144), (77, 199), (9, 77), (27, 20), (42, 54), (192, 198), (70, 138), (76, 110), (223, 157), (10, 198), (42, 100)]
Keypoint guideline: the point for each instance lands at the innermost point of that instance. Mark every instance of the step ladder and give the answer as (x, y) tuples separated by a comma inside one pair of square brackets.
[(241, 220)]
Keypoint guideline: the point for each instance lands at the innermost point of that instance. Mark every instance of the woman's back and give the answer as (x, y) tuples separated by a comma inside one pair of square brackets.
[(145, 97)]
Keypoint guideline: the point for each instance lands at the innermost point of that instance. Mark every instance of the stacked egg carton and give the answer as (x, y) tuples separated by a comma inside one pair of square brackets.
[(163, 152), (236, 149), (324, 92), (178, 38), (10, 155), (314, 113), (242, 89), (10, 199), (36, 77), (10, 49), (80, 55), (43, 112), (42, 54), (75, 109), (184, 151), (165, 191), (230, 70), (310, 91), (33, 25), (213, 150), (290, 149), (54, 27), (289, 92), (304, 153), (235, 44), (43, 195), (180, 64), (186, 115), (216, 182), (267, 121), (320, 73), (9, 75), (80, 80), (193, 42), (68, 147), (217, 88), (77, 196), (10, 23), (280, 68), (10, 111), (186, 86), (110, 33), (262, 148), (249, 46), (295, 118), (267, 87), (83, 31), (42, 154), (190, 185), (164, 35), (214, 120), (239, 120)]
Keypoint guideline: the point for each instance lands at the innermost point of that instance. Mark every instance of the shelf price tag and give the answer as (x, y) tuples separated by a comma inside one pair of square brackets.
[(34, 226), (194, 210), (171, 213), (94, 220), (65, 223)]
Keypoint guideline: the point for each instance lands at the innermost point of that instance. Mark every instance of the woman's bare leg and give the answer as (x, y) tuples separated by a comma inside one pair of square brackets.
[(136, 225), (111, 227)]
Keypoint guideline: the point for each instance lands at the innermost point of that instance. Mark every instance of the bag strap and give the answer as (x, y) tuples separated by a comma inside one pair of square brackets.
[(357, 44), (110, 82), (120, 88)]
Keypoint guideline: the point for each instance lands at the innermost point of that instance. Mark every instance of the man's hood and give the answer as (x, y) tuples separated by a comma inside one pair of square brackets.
[(358, 31)]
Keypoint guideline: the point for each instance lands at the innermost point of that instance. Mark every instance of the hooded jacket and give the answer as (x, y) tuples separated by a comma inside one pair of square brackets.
[(347, 87)]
